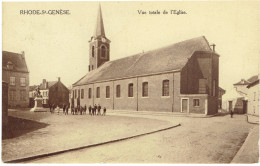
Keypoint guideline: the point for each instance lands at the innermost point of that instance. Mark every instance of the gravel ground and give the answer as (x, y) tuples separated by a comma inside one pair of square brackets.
[(66, 132), (198, 140)]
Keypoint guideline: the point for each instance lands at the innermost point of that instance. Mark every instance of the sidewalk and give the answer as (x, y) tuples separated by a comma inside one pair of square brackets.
[(249, 152), (154, 113), (252, 119)]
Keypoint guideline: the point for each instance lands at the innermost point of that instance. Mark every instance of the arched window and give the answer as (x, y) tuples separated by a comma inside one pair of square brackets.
[(89, 93), (165, 88), (145, 89), (107, 92), (130, 90), (103, 51), (98, 92), (118, 91), (93, 51)]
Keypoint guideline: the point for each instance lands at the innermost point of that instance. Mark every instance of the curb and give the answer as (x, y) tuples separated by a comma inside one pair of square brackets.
[(249, 121), (88, 146), (240, 151)]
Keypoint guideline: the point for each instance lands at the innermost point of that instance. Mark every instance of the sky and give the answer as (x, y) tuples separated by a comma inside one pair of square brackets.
[(57, 45)]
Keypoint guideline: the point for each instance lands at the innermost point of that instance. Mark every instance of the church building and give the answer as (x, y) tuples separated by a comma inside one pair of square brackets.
[(182, 77)]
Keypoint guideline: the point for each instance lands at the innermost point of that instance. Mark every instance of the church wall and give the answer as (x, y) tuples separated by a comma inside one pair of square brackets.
[(176, 92), (124, 102), (102, 100), (155, 101)]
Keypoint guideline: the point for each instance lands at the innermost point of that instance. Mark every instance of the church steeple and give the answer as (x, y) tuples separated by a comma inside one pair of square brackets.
[(99, 45), (99, 31)]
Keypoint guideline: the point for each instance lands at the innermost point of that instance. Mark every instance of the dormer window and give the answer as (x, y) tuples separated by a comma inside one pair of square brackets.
[(10, 65)]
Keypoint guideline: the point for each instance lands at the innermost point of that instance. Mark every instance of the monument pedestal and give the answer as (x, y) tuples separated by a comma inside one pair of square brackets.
[(38, 105)]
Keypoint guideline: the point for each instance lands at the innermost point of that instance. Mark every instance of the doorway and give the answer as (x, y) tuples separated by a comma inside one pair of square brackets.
[(184, 105)]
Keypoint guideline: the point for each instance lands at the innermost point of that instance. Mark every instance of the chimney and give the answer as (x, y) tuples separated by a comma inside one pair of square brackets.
[(58, 79), (44, 83), (213, 47)]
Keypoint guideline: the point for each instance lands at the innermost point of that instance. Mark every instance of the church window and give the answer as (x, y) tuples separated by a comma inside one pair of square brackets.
[(118, 91), (92, 67), (78, 93), (82, 93), (89, 93), (93, 51), (130, 90), (103, 51), (98, 92), (145, 89), (107, 92), (165, 88), (88, 67)]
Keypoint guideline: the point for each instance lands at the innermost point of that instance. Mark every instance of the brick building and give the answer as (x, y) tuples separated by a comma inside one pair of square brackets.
[(182, 77), (52, 92), (16, 74)]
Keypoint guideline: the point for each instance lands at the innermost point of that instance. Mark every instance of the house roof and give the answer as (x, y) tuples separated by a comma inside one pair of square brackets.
[(248, 81), (18, 61), (221, 89), (49, 84), (169, 58), (253, 83), (33, 87)]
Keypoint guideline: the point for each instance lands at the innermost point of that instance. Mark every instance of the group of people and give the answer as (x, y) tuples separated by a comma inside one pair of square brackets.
[(78, 110), (96, 110)]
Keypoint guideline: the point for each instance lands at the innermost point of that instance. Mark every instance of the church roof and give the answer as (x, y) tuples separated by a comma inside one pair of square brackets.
[(99, 30), (16, 59), (169, 58)]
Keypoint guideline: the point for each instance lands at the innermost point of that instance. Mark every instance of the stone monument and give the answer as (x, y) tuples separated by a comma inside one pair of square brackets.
[(38, 102)]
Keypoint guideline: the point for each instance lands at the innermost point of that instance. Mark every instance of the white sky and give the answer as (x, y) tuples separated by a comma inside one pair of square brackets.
[(57, 46)]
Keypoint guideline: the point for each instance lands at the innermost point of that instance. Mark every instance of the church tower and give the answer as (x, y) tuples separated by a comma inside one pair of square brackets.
[(99, 45)]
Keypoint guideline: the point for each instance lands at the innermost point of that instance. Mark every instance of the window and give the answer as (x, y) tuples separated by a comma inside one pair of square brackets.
[(78, 93), (12, 95), (98, 92), (47, 94), (145, 89), (196, 102), (12, 80), (82, 93), (22, 81), (93, 51), (165, 88), (22, 95), (72, 94), (75, 92), (118, 91), (103, 51), (107, 92), (88, 67), (89, 93), (130, 90), (92, 67)]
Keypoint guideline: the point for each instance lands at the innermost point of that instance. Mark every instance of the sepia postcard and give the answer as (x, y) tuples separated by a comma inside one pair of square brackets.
[(139, 82)]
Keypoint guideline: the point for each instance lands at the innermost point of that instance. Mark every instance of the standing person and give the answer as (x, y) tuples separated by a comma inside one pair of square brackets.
[(81, 110), (95, 110), (231, 113), (58, 109), (53, 108), (50, 108), (64, 107), (99, 108), (72, 110), (85, 109), (67, 110), (89, 110), (104, 111)]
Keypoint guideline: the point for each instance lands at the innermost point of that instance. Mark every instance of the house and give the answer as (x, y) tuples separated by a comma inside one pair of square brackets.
[(253, 98), (182, 77), (236, 98), (16, 74), (4, 106), (53, 92), (221, 92)]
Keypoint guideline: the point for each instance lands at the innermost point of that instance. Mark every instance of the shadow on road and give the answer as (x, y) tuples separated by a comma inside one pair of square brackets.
[(17, 127)]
